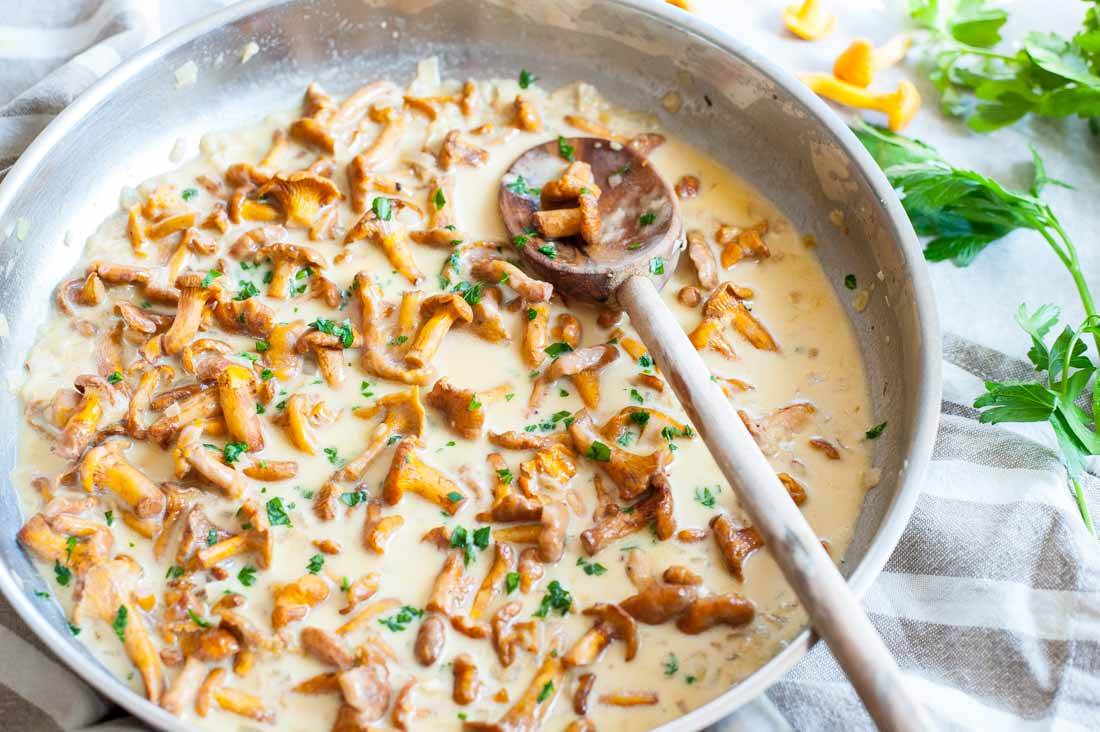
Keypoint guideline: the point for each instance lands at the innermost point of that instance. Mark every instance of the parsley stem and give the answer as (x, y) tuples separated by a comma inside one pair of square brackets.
[(1082, 506)]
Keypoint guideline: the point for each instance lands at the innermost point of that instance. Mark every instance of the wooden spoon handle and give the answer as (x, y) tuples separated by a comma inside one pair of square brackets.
[(834, 611)]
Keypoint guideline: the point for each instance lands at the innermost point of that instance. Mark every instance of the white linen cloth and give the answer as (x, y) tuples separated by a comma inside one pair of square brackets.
[(991, 602)]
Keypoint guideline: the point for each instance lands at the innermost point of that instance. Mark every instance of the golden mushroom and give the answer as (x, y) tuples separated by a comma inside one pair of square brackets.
[(441, 312), (301, 195)]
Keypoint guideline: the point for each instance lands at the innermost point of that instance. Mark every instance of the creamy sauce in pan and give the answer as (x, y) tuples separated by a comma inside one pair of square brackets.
[(818, 362)]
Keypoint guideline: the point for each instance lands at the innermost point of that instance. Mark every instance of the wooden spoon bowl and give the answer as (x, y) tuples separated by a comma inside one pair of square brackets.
[(642, 231)]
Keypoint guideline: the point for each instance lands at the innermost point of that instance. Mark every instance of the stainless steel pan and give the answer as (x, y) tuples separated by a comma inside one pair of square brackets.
[(740, 108)]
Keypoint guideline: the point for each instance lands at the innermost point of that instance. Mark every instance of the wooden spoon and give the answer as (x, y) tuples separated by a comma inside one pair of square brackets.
[(641, 239)]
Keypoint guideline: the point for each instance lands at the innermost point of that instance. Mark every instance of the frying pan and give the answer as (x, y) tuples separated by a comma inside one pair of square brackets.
[(738, 107)]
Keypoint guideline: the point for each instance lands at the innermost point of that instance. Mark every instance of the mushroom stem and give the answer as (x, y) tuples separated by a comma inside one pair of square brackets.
[(900, 106), (235, 396), (104, 465), (859, 62)]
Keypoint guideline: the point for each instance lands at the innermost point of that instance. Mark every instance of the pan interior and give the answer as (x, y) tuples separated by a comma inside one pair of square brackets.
[(126, 131)]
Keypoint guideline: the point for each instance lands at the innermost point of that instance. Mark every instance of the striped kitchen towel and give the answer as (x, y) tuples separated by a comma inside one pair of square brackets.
[(991, 602)]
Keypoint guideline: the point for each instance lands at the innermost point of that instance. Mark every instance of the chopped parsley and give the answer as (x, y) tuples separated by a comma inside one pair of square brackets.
[(316, 563), (276, 512), (210, 277), (566, 150), (247, 576), (637, 396), (639, 418), (472, 294), (383, 208), (532, 313), (115, 377), (245, 290), (520, 240), (402, 618), (520, 188), (634, 246), (556, 349), (549, 251), (174, 572), (63, 574), (343, 331), (353, 498), (511, 582), (556, 598), (547, 690), (196, 619), (505, 476), (454, 496), (672, 665), (850, 281), (876, 431), (598, 451), (121, 618), (657, 266), (232, 451), (592, 569), (473, 404), (647, 218), (526, 78), (188, 193), (439, 199), (333, 458), (645, 361), (109, 516), (705, 496), (212, 537), (364, 389)]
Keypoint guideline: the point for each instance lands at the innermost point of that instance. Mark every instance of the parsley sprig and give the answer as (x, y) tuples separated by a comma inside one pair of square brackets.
[(1049, 75), (964, 212)]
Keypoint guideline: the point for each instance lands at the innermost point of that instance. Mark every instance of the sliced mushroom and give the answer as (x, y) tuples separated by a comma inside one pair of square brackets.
[(465, 413), (379, 529), (328, 349), (390, 236), (702, 258), (504, 561), (451, 587), (286, 259), (235, 385), (301, 196), (724, 307), (303, 413), (197, 407)]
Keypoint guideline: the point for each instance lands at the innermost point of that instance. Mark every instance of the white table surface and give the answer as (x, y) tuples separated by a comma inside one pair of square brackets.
[(977, 302)]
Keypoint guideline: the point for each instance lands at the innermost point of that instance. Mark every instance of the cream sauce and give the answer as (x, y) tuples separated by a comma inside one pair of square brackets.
[(819, 361)]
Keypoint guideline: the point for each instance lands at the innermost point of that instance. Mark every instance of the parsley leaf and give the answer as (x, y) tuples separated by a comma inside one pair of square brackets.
[(63, 574), (383, 208), (316, 564), (402, 618), (245, 290), (599, 452), (247, 576), (276, 513), (526, 78), (521, 188), (565, 149), (556, 349), (122, 617), (556, 598)]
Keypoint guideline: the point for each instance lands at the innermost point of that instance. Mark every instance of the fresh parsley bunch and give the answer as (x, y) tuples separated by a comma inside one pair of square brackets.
[(1049, 75), (963, 212)]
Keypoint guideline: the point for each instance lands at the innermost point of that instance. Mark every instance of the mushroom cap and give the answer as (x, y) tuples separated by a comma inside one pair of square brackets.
[(404, 412), (723, 302), (301, 195), (808, 20), (451, 302), (855, 64), (196, 281), (622, 624), (903, 105), (293, 252)]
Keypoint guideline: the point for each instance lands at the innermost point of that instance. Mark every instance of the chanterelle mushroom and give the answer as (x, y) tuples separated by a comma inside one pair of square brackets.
[(106, 466), (402, 414), (301, 195), (191, 453), (409, 473), (441, 312), (238, 408), (196, 291), (286, 259), (255, 536), (108, 595), (631, 472)]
